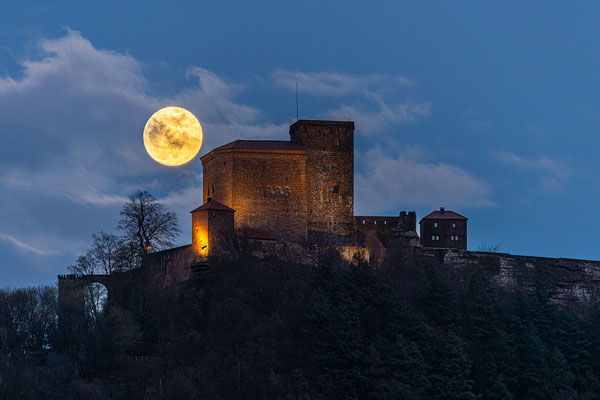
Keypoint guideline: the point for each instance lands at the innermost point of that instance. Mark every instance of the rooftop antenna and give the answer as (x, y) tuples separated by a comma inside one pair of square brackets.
[(296, 101)]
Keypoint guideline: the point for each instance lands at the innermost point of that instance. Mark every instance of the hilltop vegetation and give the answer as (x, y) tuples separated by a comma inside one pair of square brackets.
[(278, 329)]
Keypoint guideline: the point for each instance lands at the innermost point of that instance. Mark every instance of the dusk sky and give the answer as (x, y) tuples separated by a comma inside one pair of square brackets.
[(488, 109)]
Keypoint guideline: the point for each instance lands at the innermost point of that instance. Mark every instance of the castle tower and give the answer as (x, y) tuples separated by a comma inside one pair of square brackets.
[(212, 228), (330, 168)]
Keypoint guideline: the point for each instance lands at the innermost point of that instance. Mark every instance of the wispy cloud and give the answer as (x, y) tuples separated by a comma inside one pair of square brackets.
[(383, 115), (553, 173), (21, 245), (377, 101), (403, 179), (337, 84)]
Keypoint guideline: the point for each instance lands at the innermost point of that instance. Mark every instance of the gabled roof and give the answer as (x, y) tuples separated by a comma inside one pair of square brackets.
[(443, 214), (213, 205), (262, 145)]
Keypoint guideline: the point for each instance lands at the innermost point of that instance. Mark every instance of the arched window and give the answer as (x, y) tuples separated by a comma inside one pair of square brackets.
[(208, 190), (286, 191), (278, 190), (268, 191), (336, 188)]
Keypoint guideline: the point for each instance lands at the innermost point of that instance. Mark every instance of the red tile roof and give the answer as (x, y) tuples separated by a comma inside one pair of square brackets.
[(256, 234), (443, 214), (213, 205), (262, 145)]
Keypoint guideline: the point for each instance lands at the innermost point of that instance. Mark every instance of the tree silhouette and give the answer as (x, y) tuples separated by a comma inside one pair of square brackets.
[(147, 223)]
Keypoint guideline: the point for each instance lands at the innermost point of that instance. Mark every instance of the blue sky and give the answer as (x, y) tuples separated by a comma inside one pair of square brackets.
[(491, 110)]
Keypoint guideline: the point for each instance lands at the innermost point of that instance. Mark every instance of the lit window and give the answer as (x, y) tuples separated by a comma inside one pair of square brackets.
[(437, 238), (268, 191), (336, 188), (433, 237), (375, 222), (454, 224), (435, 224), (277, 191), (363, 221), (455, 237), (385, 222), (286, 191), (336, 142)]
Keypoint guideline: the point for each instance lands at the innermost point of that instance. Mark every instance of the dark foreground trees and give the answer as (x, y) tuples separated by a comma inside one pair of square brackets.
[(277, 329)]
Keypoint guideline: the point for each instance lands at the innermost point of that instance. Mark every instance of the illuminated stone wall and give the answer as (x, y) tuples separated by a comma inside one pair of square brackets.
[(283, 215), (330, 151), (218, 178), (240, 178), (212, 231)]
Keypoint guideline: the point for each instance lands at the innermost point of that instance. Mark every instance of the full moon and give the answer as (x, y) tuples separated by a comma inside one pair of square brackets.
[(172, 136)]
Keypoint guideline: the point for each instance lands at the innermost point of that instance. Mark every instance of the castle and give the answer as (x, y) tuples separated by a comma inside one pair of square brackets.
[(298, 191)]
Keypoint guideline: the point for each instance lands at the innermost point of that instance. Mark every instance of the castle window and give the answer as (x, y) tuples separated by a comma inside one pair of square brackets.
[(435, 224), (208, 194), (213, 189), (224, 162), (268, 191), (336, 188), (264, 163), (287, 164), (277, 190), (286, 191), (336, 142), (363, 221), (385, 222), (454, 224), (375, 222), (245, 163)]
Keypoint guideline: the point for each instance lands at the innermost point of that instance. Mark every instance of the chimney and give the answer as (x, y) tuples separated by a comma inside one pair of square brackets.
[(442, 209)]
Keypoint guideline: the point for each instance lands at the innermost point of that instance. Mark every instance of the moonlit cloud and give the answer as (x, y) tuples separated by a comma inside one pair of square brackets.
[(402, 180)]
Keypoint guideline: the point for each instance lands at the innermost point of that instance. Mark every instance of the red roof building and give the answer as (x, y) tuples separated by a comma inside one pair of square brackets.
[(444, 229)]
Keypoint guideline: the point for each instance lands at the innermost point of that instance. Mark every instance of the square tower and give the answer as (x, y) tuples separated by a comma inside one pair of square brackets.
[(330, 171)]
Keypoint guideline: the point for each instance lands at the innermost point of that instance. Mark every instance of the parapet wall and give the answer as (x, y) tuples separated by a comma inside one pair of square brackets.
[(570, 279), (170, 266)]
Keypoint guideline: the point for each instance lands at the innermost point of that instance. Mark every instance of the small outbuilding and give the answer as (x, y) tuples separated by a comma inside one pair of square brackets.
[(444, 229)]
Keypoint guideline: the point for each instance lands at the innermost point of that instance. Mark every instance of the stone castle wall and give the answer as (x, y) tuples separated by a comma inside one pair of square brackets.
[(245, 176), (570, 280), (330, 150)]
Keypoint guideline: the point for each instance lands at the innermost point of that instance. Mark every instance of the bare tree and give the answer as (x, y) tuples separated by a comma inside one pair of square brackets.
[(106, 252), (84, 265), (148, 223)]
